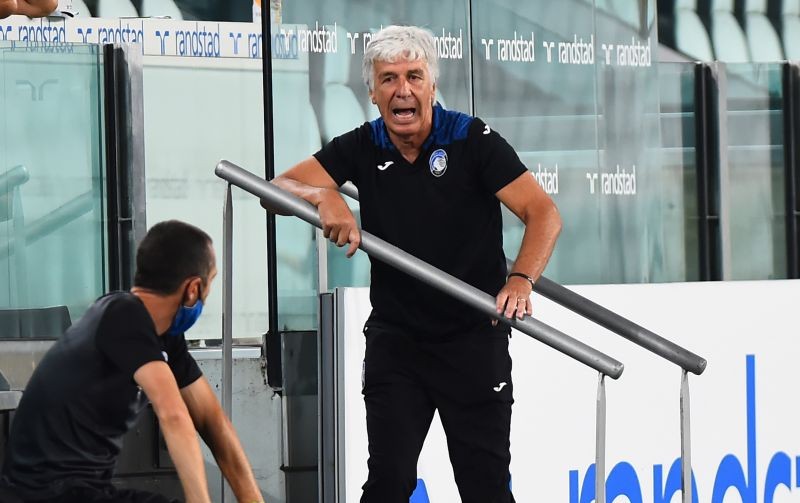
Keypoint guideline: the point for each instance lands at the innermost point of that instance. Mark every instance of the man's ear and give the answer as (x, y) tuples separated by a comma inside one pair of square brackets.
[(194, 286)]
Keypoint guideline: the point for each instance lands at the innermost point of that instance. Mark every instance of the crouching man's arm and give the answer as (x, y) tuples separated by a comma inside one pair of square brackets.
[(218, 433), (158, 383)]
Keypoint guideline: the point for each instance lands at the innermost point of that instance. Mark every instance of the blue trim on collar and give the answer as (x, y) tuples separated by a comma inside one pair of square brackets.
[(380, 136), (448, 126)]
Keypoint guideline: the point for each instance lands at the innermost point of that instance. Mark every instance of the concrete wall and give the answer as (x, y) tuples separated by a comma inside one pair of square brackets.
[(257, 418)]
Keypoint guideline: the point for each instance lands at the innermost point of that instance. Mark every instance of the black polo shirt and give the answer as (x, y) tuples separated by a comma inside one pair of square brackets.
[(441, 208), (82, 399)]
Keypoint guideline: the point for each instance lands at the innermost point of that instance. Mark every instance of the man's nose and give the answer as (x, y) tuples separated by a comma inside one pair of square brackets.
[(403, 88)]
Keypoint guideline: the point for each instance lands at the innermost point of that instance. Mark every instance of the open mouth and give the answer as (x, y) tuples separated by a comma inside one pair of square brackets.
[(404, 113)]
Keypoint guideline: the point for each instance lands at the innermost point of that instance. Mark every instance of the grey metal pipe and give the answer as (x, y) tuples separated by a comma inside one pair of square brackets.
[(686, 441), (349, 190), (622, 326), (411, 265), (13, 178), (227, 304), (600, 443), (227, 318), (602, 316)]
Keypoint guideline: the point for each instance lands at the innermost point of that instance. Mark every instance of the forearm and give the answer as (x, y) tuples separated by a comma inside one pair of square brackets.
[(7, 8), (538, 241), (224, 443), (184, 449), (36, 8), (313, 195), (310, 182)]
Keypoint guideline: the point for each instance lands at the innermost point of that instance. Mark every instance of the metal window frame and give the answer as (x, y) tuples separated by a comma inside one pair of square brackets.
[(791, 157), (711, 144), (124, 152), (272, 339)]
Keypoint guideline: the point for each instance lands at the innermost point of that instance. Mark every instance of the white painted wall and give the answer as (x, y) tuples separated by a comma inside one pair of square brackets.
[(554, 413)]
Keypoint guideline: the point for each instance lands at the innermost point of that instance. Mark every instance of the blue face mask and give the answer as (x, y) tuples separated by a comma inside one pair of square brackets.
[(185, 318)]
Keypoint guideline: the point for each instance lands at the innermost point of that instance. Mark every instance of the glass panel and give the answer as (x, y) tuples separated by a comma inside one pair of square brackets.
[(194, 10), (196, 112), (545, 108), (756, 171), (633, 235), (679, 171), (583, 116), (52, 250), (199, 110)]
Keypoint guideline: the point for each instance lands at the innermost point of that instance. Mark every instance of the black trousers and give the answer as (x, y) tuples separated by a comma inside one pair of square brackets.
[(468, 379)]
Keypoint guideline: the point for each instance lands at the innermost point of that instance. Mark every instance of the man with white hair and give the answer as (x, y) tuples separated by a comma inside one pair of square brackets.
[(431, 181)]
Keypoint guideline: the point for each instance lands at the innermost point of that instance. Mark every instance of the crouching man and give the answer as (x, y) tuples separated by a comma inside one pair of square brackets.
[(128, 349)]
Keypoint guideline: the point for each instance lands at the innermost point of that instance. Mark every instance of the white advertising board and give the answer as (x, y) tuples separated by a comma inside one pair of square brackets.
[(744, 414)]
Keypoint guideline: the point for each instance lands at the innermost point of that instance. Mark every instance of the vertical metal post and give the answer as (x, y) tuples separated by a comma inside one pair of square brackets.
[(643, 18), (710, 146), (227, 310), (113, 107), (272, 341), (135, 148), (111, 123), (326, 400), (720, 77), (686, 444), (339, 395), (124, 145), (703, 164), (322, 261), (791, 156), (600, 442)]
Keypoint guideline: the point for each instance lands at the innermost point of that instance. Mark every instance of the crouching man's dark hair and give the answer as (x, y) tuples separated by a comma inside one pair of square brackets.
[(171, 252)]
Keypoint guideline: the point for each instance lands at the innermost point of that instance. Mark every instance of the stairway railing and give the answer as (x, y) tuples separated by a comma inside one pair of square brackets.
[(381, 250), (666, 349)]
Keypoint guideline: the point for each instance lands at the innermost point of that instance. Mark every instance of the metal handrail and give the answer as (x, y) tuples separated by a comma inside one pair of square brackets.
[(54, 220), (415, 267), (13, 178), (626, 328), (604, 317), (688, 361)]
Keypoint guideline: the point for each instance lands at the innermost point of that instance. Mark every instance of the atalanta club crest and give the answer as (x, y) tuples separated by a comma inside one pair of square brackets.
[(438, 162)]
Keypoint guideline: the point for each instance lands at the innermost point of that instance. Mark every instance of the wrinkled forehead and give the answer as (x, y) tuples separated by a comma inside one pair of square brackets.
[(404, 60)]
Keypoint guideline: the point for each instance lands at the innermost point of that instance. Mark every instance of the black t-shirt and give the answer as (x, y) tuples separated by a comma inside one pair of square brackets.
[(441, 209), (82, 399)]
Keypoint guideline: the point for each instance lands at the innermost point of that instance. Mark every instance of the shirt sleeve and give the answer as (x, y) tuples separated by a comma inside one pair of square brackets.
[(338, 156), (498, 163), (182, 363), (127, 337)]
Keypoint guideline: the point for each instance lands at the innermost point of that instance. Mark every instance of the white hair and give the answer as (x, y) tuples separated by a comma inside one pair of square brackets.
[(400, 42)]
